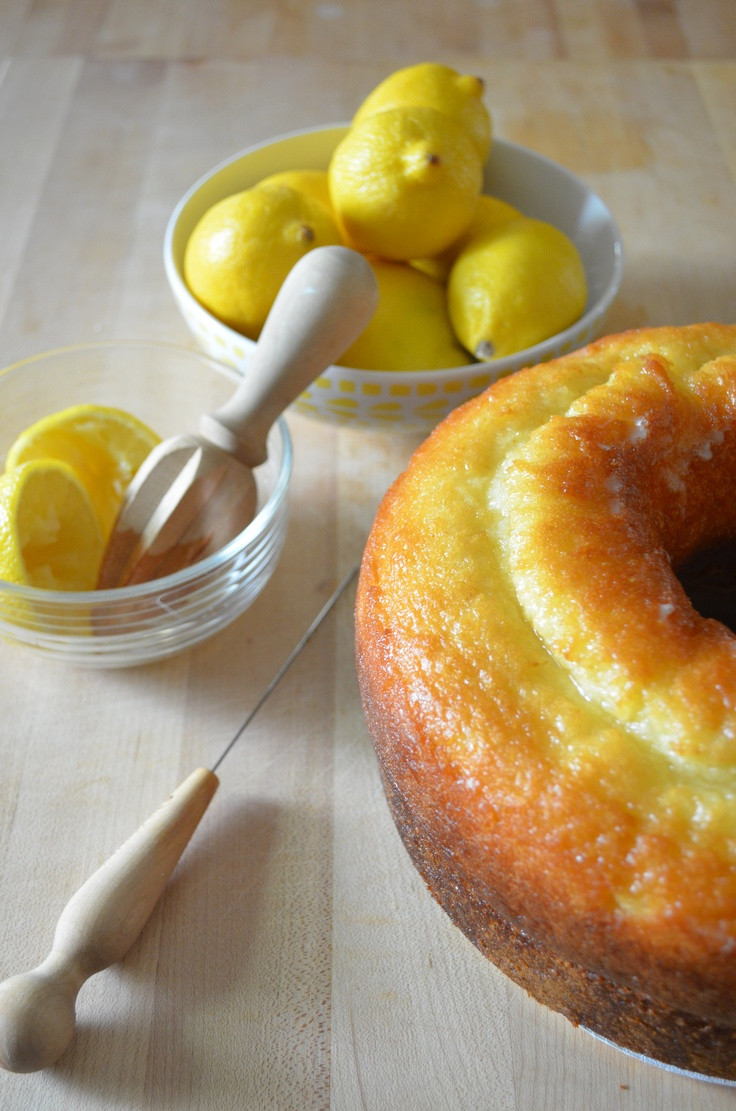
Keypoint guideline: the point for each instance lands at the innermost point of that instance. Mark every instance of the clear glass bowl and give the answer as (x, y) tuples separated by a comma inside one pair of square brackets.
[(167, 387)]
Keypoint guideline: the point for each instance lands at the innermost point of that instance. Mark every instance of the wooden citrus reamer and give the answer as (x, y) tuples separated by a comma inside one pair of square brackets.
[(196, 491), (105, 916)]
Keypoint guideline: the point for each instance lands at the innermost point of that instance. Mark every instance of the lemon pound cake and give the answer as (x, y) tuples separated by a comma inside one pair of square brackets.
[(555, 721)]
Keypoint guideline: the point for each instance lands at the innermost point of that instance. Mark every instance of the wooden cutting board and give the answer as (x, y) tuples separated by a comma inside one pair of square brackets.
[(296, 959)]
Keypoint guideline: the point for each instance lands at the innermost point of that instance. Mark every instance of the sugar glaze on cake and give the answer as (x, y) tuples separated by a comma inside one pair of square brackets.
[(554, 721)]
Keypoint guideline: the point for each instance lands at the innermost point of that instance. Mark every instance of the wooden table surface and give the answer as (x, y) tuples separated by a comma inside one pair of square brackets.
[(296, 960)]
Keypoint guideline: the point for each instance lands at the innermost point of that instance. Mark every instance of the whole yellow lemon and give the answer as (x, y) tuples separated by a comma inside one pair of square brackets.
[(514, 286), (404, 183), (312, 182), (240, 252), (410, 329), (433, 85), (490, 213)]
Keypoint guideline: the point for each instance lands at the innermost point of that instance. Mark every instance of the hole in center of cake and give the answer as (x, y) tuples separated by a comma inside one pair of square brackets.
[(709, 579)]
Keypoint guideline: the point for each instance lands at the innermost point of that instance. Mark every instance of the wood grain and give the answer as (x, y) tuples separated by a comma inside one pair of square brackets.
[(296, 960), (363, 31)]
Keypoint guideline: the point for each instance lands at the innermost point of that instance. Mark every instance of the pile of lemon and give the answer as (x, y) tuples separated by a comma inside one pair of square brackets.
[(462, 276), (64, 481)]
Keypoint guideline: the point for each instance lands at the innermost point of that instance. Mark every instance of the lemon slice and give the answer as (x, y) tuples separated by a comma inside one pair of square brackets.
[(50, 536), (104, 446)]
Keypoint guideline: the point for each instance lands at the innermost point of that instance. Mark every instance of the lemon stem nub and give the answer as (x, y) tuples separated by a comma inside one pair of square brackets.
[(485, 350), (307, 234)]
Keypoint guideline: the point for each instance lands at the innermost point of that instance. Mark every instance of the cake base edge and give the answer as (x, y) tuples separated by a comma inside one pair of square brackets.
[(613, 1012)]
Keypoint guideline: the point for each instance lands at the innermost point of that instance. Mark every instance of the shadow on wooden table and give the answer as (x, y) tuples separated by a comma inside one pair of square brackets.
[(193, 961)]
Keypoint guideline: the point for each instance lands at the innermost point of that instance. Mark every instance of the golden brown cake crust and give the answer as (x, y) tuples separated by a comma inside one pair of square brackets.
[(555, 725)]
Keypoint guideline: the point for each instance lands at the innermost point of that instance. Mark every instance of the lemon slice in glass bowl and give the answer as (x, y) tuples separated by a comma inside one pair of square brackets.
[(50, 536), (103, 445)]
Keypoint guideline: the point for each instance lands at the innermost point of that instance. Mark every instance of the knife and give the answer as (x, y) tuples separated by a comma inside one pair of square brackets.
[(105, 916)]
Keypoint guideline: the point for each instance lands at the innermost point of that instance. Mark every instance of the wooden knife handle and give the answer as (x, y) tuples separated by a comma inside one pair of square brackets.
[(97, 928)]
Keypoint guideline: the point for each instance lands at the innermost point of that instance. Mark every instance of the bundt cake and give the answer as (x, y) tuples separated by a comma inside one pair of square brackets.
[(554, 719)]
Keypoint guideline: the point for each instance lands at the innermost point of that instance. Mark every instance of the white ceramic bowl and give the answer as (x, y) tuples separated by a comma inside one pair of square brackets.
[(167, 387), (417, 399)]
